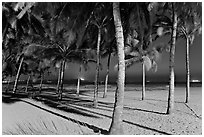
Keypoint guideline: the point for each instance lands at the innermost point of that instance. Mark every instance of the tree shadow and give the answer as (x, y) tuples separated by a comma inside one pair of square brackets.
[(156, 100), (94, 128), (144, 110), (161, 132), (10, 98), (54, 103)]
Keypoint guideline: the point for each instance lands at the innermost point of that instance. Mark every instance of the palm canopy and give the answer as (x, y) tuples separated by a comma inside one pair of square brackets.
[(189, 18), (139, 42)]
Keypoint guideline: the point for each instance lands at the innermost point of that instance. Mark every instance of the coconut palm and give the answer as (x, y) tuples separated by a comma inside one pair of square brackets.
[(170, 106), (22, 23), (189, 26), (108, 49), (116, 124), (101, 17), (138, 34), (83, 64), (30, 51), (66, 30), (180, 16)]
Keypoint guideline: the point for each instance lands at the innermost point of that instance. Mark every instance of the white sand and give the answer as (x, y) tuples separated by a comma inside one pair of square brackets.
[(140, 117)]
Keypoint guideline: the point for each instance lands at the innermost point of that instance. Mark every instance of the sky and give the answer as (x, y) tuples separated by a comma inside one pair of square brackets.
[(134, 73)]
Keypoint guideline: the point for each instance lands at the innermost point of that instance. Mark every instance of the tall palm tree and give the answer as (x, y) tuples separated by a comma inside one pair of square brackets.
[(100, 20), (139, 31), (170, 106), (187, 15), (116, 124), (189, 26), (108, 50)]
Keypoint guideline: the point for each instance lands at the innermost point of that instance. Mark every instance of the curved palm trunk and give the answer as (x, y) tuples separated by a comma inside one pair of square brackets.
[(17, 76), (59, 76), (107, 75), (187, 72), (26, 90), (78, 81), (41, 82), (95, 101), (170, 106), (116, 124), (143, 81), (61, 80)]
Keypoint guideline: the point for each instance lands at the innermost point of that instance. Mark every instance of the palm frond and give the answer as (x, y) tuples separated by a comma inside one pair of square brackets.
[(154, 66), (130, 62), (147, 62)]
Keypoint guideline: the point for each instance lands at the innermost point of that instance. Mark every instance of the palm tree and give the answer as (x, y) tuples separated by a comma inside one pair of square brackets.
[(139, 32), (66, 31), (116, 124), (87, 58), (108, 50), (30, 51), (78, 81), (107, 75), (22, 24), (188, 19), (170, 106), (189, 26), (100, 20), (189, 40)]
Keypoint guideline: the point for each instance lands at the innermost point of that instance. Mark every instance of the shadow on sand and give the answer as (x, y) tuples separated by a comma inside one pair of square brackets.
[(73, 104), (94, 128)]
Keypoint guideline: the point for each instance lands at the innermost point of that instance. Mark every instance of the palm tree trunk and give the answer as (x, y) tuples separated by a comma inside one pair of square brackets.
[(59, 76), (61, 79), (26, 90), (17, 76), (78, 81), (95, 101), (116, 124), (107, 75), (187, 72), (171, 66), (41, 82), (143, 81)]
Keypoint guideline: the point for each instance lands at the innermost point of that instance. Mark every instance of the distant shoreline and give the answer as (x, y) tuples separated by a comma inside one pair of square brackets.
[(149, 84)]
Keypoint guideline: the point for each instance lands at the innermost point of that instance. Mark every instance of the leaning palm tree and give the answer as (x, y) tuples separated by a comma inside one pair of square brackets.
[(116, 124), (23, 23), (30, 51)]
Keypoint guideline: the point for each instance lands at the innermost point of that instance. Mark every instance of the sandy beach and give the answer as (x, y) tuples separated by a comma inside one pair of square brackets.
[(75, 115)]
